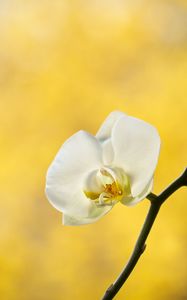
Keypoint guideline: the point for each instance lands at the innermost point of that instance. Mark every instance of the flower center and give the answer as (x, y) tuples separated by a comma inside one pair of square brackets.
[(107, 186)]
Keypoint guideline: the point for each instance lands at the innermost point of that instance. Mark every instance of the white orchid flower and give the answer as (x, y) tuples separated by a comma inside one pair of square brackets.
[(90, 174)]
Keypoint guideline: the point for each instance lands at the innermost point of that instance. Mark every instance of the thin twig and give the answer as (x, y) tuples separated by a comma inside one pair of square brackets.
[(156, 202)]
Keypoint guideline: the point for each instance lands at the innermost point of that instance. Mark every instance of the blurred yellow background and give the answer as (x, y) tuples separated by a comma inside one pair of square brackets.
[(64, 66)]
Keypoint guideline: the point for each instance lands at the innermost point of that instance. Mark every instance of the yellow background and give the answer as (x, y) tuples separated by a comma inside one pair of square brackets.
[(64, 66)]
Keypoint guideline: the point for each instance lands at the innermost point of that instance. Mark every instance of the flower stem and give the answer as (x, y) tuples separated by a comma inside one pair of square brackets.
[(156, 202)]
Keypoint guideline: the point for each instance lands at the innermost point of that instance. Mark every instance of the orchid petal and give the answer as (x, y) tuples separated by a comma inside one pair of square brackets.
[(80, 155), (104, 136), (105, 130), (136, 147), (108, 152)]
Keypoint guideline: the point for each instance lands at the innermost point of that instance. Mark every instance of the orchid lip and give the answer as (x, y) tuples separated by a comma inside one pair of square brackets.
[(113, 185)]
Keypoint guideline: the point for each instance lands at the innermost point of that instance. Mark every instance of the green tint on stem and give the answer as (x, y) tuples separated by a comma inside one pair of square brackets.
[(156, 202)]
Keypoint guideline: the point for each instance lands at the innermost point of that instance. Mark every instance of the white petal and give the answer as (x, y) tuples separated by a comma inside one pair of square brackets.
[(105, 130), (81, 154), (72, 221), (136, 147), (132, 201), (108, 152)]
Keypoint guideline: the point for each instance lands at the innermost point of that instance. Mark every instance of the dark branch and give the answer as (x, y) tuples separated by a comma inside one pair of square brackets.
[(156, 202)]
